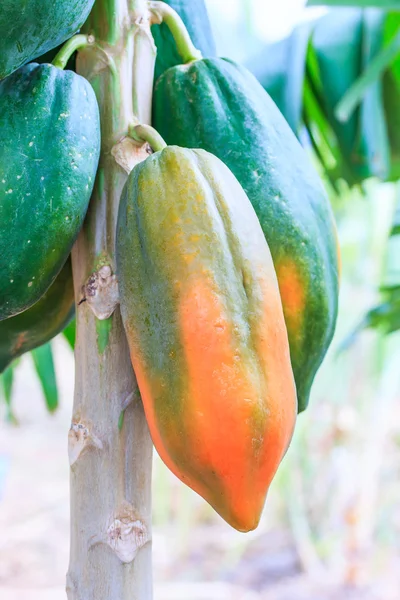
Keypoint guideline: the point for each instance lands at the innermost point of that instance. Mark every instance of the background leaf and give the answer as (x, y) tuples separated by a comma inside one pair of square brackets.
[(7, 381), (44, 365), (280, 68), (344, 43), (70, 333), (374, 142), (372, 73)]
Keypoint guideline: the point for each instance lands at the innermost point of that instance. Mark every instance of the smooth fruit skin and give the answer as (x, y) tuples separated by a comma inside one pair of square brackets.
[(203, 317), (40, 323), (49, 151), (219, 106), (29, 28)]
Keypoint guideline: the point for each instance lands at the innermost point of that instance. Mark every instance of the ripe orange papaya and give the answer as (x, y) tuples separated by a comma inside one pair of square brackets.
[(217, 105), (204, 320)]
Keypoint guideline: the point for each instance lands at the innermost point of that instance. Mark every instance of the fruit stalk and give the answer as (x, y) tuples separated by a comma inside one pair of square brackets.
[(75, 43), (163, 13), (110, 465), (146, 133)]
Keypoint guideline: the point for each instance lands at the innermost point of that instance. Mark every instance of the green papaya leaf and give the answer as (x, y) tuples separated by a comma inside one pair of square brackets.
[(345, 42), (44, 365), (321, 135), (280, 68), (7, 380), (309, 80), (374, 140), (391, 95), (337, 44), (269, 67), (391, 31), (70, 333), (370, 76), (319, 117), (299, 41)]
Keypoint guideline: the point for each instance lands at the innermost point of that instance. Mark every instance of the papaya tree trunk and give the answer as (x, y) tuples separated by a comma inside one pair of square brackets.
[(110, 450)]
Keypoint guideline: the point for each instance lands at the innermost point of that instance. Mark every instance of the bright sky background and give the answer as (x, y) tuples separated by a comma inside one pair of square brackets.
[(270, 20)]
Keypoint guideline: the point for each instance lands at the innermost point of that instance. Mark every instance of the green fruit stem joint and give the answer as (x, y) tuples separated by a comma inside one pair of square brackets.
[(146, 133), (75, 43), (163, 13)]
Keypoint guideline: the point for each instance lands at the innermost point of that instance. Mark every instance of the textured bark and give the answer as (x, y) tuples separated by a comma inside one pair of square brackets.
[(110, 449)]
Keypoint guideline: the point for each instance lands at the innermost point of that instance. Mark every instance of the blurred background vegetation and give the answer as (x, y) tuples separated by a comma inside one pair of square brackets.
[(332, 522)]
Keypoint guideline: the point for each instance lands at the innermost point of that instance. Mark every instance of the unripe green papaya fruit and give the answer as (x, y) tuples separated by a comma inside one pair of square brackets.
[(49, 151), (29, 28), (203, 317), (40, 323), (219, 106)]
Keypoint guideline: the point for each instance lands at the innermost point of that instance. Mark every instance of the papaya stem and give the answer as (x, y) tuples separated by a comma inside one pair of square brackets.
[(146, 133), (163, 13), (75, 43), (111, 464)]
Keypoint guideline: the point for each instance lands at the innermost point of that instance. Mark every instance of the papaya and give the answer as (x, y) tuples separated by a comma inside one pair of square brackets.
[(40, 323), (29, 28), (195, 17), (220, 107), (49, 152), (201, 309)]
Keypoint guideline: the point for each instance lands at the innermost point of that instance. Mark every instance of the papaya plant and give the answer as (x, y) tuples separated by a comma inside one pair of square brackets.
[(205, 273)]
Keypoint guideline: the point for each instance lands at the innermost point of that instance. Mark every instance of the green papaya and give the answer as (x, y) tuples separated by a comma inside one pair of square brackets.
[(201, 309), (194, 14), (49, 152), (40, 323), (219, 106), (29, 28)]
